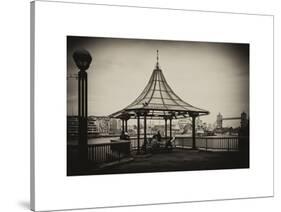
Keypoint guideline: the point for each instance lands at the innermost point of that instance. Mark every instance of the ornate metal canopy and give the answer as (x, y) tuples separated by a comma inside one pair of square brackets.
[(158, 100)]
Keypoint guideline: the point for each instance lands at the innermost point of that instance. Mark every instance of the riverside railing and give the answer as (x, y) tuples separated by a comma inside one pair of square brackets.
[(116, 150), (207, 143), (210, 143)]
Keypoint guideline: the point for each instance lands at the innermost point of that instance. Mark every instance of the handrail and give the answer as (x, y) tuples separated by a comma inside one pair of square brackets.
[(106, 152), (110, 143)]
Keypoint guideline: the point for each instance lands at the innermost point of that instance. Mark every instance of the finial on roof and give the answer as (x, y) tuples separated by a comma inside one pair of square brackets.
[(157, 63)]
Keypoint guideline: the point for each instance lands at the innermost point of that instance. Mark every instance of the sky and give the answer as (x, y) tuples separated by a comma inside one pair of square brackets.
[(211, 76)]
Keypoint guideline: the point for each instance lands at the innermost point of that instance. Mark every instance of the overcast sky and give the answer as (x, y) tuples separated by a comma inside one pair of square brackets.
[(211, 76)]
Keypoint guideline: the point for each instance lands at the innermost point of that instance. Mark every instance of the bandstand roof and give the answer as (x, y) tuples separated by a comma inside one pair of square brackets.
[(158, 100)]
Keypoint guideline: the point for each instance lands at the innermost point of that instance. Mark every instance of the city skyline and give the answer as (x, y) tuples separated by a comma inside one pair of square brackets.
[(213, 76), (151, 123)]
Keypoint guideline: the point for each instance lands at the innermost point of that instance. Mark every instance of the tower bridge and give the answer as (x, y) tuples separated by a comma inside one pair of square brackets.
[(242, 117)]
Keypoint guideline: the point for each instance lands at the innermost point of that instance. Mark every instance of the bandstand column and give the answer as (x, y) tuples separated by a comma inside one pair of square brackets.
[(138, 132), (144, 131), (193, 132), (166, 129), (171, 128), (126, 125), (123, 127)]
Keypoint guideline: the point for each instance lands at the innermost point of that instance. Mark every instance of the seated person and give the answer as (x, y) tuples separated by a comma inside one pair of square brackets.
[(154, 143), (170, 143), (158, 136), (124, 135)]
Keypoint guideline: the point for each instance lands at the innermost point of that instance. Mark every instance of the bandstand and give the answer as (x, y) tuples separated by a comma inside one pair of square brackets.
[(158, 101)]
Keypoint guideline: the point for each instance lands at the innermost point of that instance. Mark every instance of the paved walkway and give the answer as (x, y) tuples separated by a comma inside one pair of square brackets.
[(179, 160)]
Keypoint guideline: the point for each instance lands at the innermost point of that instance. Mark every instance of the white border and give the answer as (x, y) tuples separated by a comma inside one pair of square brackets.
[(54, 190)]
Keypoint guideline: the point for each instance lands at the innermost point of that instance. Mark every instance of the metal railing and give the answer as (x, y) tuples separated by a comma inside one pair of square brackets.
[(100, 153), (208, 143), (106, 152), (215, 143), (116, 150)]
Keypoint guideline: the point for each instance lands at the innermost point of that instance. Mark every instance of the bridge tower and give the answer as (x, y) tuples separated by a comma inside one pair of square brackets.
[(219, 120), (244, 120)]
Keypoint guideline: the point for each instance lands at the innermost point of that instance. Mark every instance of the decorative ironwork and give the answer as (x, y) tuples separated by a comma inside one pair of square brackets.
[(159, 100)]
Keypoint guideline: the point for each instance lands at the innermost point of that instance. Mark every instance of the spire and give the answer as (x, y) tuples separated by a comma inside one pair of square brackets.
[(157, 63)]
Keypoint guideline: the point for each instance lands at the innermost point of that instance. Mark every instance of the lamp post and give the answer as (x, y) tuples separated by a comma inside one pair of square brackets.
[(82, 60)]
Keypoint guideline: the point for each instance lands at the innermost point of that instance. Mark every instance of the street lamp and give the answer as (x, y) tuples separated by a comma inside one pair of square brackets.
[(82, 60)]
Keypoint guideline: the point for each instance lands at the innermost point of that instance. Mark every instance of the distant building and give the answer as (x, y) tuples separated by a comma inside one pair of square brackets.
[(72, 126), (210, 127), (204, 126), (115, 126), (119, 124), (244, 120), (198, 123), (103, 124), (219, 121), (92, 126)]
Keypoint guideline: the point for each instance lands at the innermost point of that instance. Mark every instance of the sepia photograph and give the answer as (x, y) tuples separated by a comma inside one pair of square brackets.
[(143, 106), (168, 106)]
